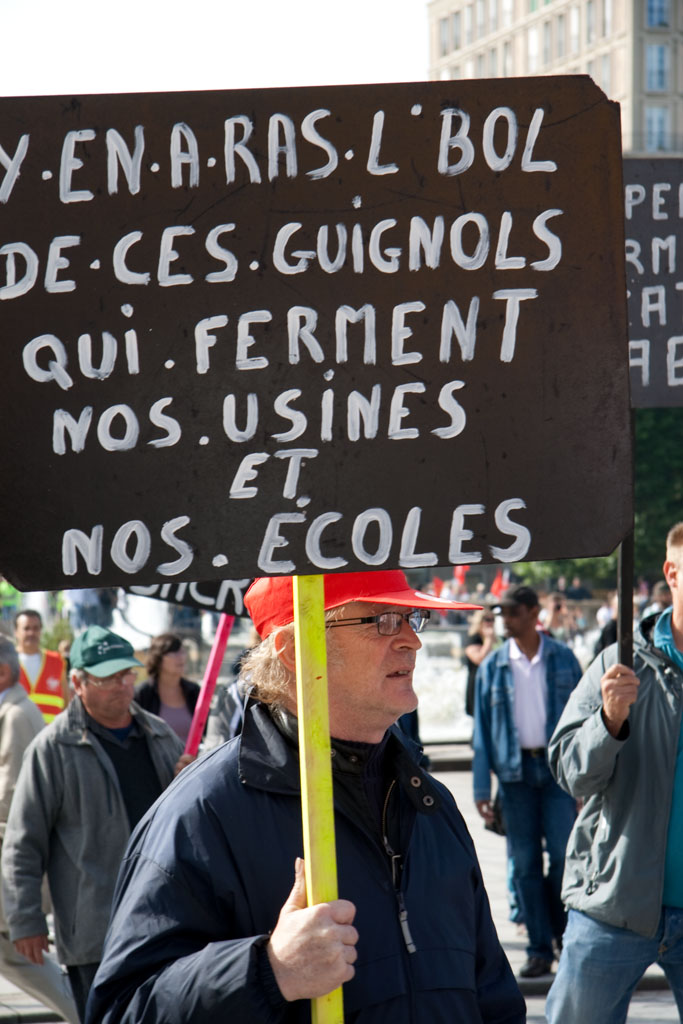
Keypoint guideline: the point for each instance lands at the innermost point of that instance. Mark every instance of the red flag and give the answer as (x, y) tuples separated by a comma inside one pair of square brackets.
[(437, 585), (459, 573), (498, 584)]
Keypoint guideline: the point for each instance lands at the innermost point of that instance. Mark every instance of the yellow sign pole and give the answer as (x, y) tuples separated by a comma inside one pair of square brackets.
[(316, 763)]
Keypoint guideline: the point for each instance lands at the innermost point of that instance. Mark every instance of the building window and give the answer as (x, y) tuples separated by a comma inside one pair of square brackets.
[(547, 52), (468, 24), (507, 59), (656, 67), (560, 35), (493, 15), (533, 6), (455, 71), (469, 69), (657, 14), (574, 29), (607, 17), (657, 129), (606, 73), (480, 65), (508, 12), (480, 15), (493, 63), (456, 29), (532, 49), (444, 41), (590, 22)]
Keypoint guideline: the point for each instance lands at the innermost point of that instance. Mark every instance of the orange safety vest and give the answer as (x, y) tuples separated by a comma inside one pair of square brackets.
[(47, 691)]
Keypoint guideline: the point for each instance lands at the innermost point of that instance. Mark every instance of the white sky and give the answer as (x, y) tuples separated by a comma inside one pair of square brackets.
[(85, 46)]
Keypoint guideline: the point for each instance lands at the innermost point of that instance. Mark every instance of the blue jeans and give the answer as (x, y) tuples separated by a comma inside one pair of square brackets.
[(601, 965), (536, 810)]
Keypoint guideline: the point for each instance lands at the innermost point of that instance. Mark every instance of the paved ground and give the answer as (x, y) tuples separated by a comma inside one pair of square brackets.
[(653, 1003)]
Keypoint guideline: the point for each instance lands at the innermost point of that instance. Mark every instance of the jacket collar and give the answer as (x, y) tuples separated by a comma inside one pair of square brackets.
[(269, 760), (14, 694), (349, 757), (646, 628), (266, 759), (644, 643), (76, 725), (545, 649)]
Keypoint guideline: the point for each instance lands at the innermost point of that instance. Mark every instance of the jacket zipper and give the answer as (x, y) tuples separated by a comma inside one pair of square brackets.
[(396, 869)]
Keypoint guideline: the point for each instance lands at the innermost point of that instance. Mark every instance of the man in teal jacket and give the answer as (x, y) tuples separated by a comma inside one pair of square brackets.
[(619, 749), (207, 926)]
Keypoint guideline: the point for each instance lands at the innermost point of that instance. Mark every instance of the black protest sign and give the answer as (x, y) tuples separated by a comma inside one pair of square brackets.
[(653, 190), (226, 596), (311, 330)]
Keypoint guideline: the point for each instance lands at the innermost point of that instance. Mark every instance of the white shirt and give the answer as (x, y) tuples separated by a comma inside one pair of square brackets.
[(31, 664), (531, 696)]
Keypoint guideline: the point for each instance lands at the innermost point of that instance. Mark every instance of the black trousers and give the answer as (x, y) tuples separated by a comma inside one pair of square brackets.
[(81, 977)]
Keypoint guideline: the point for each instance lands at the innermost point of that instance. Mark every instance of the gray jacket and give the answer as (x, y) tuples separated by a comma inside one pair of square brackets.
[(20, 721), (68, 819), (614, 867)]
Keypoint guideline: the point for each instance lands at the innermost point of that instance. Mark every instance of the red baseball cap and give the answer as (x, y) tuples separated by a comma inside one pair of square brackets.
[(270, 601)]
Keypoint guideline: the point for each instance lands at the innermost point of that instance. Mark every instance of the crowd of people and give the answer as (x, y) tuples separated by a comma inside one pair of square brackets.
[(177, 889)]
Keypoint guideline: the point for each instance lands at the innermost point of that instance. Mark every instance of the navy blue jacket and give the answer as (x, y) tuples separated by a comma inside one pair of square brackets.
[(212, 863)]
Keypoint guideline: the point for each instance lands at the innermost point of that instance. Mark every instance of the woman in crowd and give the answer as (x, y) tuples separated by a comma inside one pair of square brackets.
[(481, 639), (166, 692)]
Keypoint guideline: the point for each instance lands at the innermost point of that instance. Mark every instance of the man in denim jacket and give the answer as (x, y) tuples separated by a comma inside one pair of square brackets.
[(521, 690)]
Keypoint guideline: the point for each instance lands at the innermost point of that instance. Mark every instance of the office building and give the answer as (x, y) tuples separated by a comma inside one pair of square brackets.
[(632, 49)]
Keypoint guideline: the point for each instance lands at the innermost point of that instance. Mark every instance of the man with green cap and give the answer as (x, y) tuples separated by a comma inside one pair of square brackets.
[(85, 782)]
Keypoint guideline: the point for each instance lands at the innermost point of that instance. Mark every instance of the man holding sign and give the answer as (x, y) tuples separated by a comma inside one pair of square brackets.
[(207, 925), (618, 747)]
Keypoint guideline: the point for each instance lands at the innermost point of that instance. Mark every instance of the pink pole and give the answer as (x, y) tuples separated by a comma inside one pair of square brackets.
[(201, 711)]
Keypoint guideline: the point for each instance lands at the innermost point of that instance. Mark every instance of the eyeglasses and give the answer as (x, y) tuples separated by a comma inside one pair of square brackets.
[(389, 623), (117, 677)]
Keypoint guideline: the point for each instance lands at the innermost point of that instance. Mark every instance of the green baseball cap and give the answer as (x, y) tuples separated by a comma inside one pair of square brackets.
[(101, 653)]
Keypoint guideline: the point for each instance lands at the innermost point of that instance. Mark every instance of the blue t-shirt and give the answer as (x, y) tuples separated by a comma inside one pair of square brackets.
[(673, 869)]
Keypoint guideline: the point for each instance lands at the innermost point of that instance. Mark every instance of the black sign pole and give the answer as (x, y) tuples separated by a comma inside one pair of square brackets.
[(625, 573), (625, 594)]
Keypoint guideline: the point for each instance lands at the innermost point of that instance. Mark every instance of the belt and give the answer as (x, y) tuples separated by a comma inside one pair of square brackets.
[(534, 751)]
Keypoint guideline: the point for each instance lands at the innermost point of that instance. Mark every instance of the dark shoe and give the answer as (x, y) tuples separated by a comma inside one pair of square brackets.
[(535, 967)]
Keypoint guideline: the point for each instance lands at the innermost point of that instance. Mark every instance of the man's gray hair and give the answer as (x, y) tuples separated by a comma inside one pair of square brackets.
[(9, 656), (262, 669), (271, 681)]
